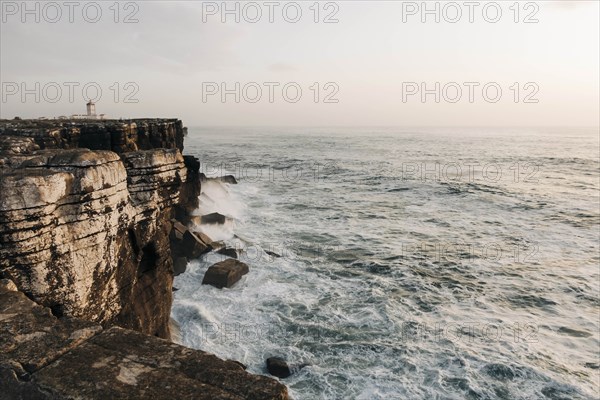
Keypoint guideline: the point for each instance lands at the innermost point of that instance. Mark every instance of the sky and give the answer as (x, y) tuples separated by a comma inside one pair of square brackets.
[(339, 63)]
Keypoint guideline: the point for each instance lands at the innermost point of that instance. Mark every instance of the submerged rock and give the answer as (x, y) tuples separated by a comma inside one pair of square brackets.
[(228, 251), (228, 179), (280, 368), (225, 273)]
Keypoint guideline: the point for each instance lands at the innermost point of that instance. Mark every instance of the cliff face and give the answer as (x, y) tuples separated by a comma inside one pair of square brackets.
[(85, 231), (89, 214), (117, 136)]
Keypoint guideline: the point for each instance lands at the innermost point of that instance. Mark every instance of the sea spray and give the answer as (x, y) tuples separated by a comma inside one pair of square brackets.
[(374, 317), (216, 197)]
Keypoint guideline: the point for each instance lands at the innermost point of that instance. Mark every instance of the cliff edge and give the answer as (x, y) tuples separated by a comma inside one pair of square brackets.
[(46, 358), (87, 210), (85, 231)]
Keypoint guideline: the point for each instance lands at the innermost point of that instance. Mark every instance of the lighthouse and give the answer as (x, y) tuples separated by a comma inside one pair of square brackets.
[(91, 110)]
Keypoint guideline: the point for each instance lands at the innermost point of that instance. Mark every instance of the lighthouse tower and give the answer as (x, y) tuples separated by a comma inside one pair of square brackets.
[(91, 110)]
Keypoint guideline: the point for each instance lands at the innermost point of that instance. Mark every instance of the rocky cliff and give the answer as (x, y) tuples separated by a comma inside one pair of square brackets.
[(85, 216), (90, 212)]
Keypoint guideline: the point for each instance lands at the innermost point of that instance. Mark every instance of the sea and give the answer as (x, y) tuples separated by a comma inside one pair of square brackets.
[(399, 263)]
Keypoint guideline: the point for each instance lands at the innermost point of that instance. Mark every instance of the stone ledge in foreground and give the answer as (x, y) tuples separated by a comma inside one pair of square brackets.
[(43, 357)]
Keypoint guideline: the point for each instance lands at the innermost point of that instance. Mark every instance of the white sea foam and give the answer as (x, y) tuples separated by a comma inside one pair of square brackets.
[(375, 320), (215, 197)]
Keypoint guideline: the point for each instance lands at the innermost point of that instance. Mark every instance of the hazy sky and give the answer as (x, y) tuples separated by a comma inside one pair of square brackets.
[(374, 61)]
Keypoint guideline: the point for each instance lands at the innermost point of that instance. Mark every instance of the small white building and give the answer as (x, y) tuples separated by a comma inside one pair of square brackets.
[(91, 112)]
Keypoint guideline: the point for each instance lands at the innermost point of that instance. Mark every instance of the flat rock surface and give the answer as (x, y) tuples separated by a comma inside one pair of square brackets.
[(44, 357), (32, 336)]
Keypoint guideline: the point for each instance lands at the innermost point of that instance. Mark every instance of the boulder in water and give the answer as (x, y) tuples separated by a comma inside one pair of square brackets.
[(280, 368), (225, 273), (213, 218), (186, 245), (193, 245), (204, 238), (178, 230), (273, 254)]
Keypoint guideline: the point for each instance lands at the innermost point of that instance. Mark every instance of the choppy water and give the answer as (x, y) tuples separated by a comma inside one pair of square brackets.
[(403, 276)]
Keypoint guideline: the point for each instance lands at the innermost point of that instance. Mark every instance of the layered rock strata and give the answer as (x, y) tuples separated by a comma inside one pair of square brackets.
[(119, 136), (86, 232)]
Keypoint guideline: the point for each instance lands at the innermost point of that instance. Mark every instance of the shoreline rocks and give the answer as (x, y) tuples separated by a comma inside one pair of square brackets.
[(187, 245), (93, 219), (225, 274), (86, 231), (228, 252), (45, 358), (213, 218), (280, 368)]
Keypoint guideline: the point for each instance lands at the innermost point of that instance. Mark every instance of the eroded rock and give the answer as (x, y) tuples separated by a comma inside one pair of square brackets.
[(86, 232), (193, 246), (151, 368), (31, 336), (225, 274)]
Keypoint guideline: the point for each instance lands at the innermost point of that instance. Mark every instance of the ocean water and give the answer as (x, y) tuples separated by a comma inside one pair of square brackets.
[(413, 264)]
